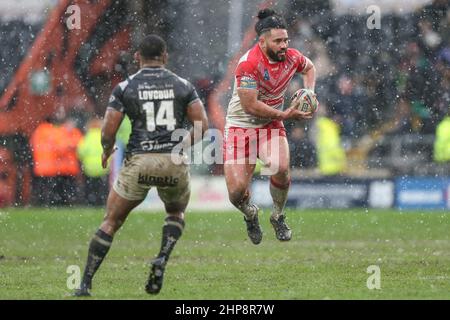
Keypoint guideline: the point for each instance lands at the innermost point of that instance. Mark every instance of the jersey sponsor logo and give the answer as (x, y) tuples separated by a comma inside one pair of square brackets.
[(154, 145), (156, 94), (248, 83), (112, 98)]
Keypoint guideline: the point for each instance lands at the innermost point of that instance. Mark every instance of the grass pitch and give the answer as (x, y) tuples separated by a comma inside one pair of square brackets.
[(327, 258)]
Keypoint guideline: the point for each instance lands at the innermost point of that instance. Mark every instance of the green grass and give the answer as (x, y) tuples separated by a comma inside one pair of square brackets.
[(326, 259)]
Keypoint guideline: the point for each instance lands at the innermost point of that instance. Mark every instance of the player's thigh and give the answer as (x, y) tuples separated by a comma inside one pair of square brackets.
[(126, 192), (176, 197), (238, 176), (274, 152), (130, 183)]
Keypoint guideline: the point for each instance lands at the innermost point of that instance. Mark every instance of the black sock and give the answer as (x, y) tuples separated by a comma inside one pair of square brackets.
[(98, 248), (172, 230)]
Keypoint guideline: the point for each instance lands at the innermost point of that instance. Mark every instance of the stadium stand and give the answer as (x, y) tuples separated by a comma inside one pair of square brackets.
[(376, 73)]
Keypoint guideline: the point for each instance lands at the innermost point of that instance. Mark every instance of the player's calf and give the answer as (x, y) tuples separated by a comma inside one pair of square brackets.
[(241, 200)]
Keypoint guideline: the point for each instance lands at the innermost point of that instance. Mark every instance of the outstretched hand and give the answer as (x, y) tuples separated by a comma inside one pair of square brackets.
[(295, 114)]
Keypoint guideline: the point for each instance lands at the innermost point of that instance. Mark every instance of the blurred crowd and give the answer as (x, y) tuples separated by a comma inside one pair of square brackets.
[(395, 79), (15, 37), (66, 160)]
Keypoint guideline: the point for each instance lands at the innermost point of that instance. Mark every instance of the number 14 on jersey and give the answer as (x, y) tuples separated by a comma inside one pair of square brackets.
[(164, 115)]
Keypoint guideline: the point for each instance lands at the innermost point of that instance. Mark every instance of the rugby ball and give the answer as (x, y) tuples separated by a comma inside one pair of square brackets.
[(305, 100)]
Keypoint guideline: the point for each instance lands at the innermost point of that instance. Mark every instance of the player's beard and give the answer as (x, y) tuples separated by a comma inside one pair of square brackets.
[(275, 56)]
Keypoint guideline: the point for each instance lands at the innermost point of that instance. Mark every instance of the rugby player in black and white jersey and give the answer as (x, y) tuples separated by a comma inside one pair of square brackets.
[(158, 102)]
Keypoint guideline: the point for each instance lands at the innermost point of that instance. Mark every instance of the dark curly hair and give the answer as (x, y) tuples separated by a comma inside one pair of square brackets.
[(152, 46), (269, 19)]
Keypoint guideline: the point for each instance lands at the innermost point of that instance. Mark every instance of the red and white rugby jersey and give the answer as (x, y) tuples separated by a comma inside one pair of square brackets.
[(271, 79)]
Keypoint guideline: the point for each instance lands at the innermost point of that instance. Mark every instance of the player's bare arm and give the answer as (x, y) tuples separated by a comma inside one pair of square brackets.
[(196, 113), (111, 124), (309, 82), (309, 75), (253, 106)]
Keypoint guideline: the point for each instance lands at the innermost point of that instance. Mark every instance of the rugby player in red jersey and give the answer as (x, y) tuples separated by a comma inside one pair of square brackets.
[(254, 126)]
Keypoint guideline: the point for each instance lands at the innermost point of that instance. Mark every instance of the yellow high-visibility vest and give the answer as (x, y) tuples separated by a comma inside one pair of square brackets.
[(90, 153), (123, 134), (330, 154), (442, 141)]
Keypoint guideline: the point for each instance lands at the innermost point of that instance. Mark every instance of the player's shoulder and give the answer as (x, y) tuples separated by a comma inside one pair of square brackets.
[(249, 60), (123, 85), (294, 53), (180, 80), (297, 57)]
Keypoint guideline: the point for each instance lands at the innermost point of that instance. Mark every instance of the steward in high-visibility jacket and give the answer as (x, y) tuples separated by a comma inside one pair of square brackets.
[(331, 155), (54, 149), (55, 163), (442, 141), (44, 146), (68, 138), (90, 153)]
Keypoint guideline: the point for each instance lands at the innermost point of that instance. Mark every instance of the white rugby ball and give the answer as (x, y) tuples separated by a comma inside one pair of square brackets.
[(305, 100)]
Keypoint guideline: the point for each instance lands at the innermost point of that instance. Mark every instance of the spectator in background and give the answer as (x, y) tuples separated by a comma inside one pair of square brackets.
[(303, 37), (402, 121), (303, 151), (434, 13), (307, 8), (348, 108), (43, 147), (123, 135), (442, 103), (429, 39), (331, 155), (56, 166), (421, 92), (442, 142), (445, 27), (68, 166), (95, 176), (409, 54)]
